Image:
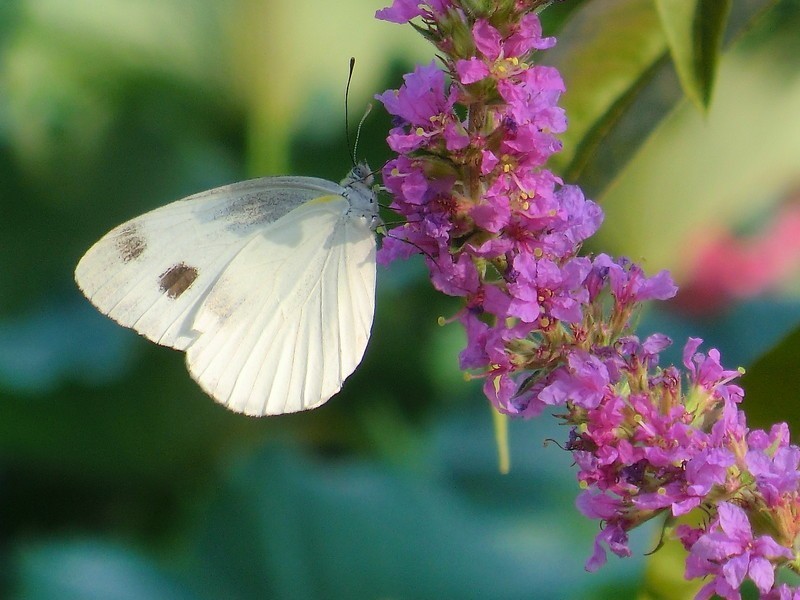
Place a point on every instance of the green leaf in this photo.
(694, 30)
(611, 54)
(771, 386)
(605, 52)
(696, 173)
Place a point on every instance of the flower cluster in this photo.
(547, 327)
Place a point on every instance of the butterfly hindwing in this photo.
(289, 318)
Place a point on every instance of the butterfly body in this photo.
(268, 285)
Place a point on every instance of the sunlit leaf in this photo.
(694, 31)
(696, 171)
(612, 54)
(605, 53)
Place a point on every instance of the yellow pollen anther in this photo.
(661, 491)
(506, 168)
(583, 485)
(538, 252)
(544, 322)
(638, 418)
(441, 321)
(395, 172)
(514, 60)
(420, 131)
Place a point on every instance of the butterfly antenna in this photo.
(360, 123)
(350, 148)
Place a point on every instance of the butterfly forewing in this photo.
(152, 273)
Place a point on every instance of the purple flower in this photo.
(581, 217)
(730, 553)
(533, 99)
(616, 538)
(455, 276)
(775, 475)
(474, 355)
(598, 505)
(472, 70)
(499, 56)
(494, 214)
(707, 373)
(630, 285)
(527, 37)
(402, 11)
(782, 592)
(671, 494)
(653, 345)
(707, 468)
(499, 388)
(584, 383)
(778, 436)
(542, 284)
(421, 97)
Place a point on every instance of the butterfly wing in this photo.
(290, 317)
(153, 272)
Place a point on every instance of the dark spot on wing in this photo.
(177, 279)
(130, 244)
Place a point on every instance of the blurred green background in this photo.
(120, 479)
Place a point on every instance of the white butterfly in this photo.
(268, 285)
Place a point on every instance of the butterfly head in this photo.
(359, 173)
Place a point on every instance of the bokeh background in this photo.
(120, 479)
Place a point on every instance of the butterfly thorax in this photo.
(360, 192)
